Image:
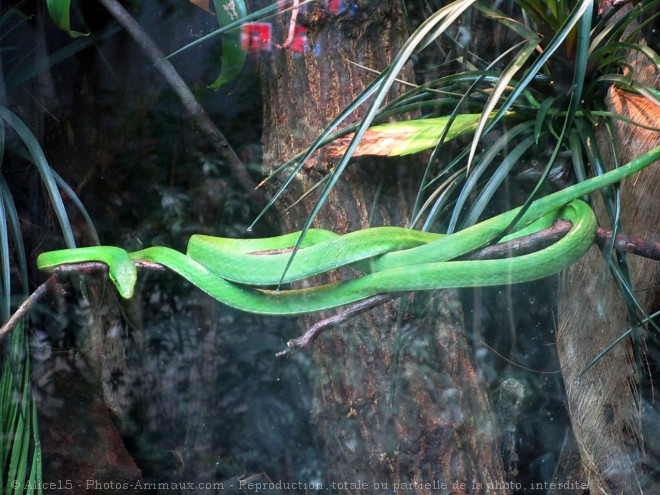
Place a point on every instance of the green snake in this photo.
(393, 259)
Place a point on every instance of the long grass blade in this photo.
(502, 84)
(481, 167)
(496, 180)
(446, 189)
(541, 117)
(61, 55)
(632, 301)
(464, 99)
(16, 406)
(2, 141)
(5, 269)
(584, 24)
(459, 103)
(45, 171)
(577, 156)
(81, 207)
(36, 471)
(261, 14)
(21, 439)
(533, 71)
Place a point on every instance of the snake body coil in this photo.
(394, 259)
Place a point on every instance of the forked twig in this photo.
(342, 316)
(27, 305)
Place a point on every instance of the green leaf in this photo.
(5, 276)
(13, 220)
(498, 90)
(423, 134)
(59, 12)
(540, 119)
(233, 55)
(39, 159)
(18, 419)
(499, 176)
(513, 24)
(470, 186)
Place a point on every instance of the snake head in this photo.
(123, 274)
(121, 268)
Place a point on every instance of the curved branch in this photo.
(189, 101)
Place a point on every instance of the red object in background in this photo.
(335, 6)
(299, 42)
(256, 37)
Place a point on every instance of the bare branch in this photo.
(27, 305)
(189, 101)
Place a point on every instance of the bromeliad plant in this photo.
(546, 92)
(528, 94)
(20, 448)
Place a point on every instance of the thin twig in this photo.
(342, 316)
(27, 305)
(189, 101)
(292, 26)
(53, 283)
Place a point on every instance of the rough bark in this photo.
(81, 391)
(396, 398)
(604, 403)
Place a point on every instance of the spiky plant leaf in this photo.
(407, 137)
(45, 171)
(233, 55)
(438, 22)
(59, 11)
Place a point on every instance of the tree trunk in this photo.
(397, 402)
(604, 402)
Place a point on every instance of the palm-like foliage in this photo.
(20, 453)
